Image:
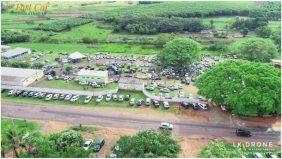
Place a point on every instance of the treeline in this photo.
(65, 24)
(153, 25)
(249, 23)
(8, 36)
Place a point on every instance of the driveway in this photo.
(118, 119)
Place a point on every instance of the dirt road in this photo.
(117, 119)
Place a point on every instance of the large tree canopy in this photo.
(147, 144)
(246, 88)
(179, 52)
(257, 49)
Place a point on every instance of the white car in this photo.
(87, 99)
(68, 97)
(74, 98)
(203, 106)
(87, 144)
(99, 99)
(148, 102)
(108, 97)
(120, 98)
(166, 105)
(181, 94)
(49, 77)
(166, 126)
(11, 92)
(49, 97)
(132, 102)
(83, 83)
(115, 97)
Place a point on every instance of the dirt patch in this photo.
(52, 126)
(191, 147)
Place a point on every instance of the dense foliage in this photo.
(8, 36)
(179, 53)
(63, 144)
(269, 10)
(249, 23)
(152, 25)
(246, 88)
(257, 49)
(217, 149)
(65, 24)
(147, 144)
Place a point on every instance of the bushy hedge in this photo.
(13, 37)
(153, 25)
(65, 24)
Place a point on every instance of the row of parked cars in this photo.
(87, 99)
(97, 146)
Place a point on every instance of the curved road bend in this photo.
(129, 121)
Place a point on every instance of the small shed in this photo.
(76, 57)
(15, 53)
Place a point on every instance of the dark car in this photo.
(184, 104)
(195, 106)
(140, 102)
(30, 94)
(98, 145)
(18, 92)
(156, 103)
(270, 155)
(243, 133)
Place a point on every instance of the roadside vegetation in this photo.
(147, 144)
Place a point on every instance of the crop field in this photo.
(184, 9)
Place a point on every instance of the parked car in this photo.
(74, 98)
(11, 92)
(164, 90)
(30, 94)
(87, 99)
(243, 133)
(62, 97)
(150, 88)
(42, 95)
(120, 98)
(148, 102)
(49, 77)
(167, 96)
(108, 97)
(98, 145)
(127, 97)
(156, 103)
(18, 92)
(83, 83)
(48, 96)
(166, 126)
(132, 102)
(195, 106)
(166, 105)
(203, 106)
(87, 144)
(115, 97)
(36, 95)
(99, 99)
(25, 93)
(56, 96)
(181, 94)
(140, 102)
(68, 97)
(184, 104)
(257, 155)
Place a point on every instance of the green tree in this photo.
(244, 32)
(218, 149)
(257, 49)
(276, 37)
(179, 52)
(147, 144)
(246, 88)
(263, 32)
(68, 68)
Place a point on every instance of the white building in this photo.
(19, 76)
(14, 53)
(93, 76)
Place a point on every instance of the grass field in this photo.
(77, 33)
(73, 85)
(220, 22)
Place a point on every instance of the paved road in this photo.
(79, 115)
